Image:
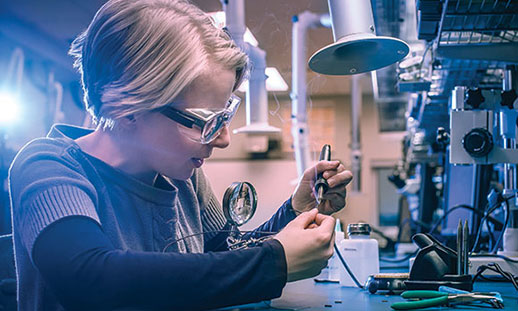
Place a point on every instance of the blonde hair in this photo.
(136, 56)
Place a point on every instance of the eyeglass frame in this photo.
(189, 119)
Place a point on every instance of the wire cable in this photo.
(487, 214)
(213, 231)
(355, 280)
(495, 256)
(496, 268)
(507, 212)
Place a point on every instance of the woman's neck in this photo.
(110, 147)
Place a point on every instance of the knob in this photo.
(478, 142)
(474, 98)
(508, 98)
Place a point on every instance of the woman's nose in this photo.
(223, 139)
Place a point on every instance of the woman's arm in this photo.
(79, 263)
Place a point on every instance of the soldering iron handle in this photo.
(321, 184)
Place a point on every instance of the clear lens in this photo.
(212, 129)
(215, 121)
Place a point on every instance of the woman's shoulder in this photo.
(45, 149)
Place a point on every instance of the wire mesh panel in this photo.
(473, 41)
(480, 22)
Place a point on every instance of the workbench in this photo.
(309, 296)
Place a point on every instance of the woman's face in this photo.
(161, 144)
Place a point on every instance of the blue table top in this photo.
(307, 295)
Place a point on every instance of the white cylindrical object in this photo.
(299, 127)
(235, 19)
(361, 255)
(256, 95)
(351, 17)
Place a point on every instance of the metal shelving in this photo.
(472, 41)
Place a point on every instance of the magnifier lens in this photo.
(239, 203)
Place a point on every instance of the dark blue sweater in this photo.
(88, 236)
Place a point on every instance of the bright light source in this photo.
(220, 19)
(9, 108)
(274, 81)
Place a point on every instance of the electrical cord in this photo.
(487, 214)
(507, 213)
(432, 229)
(402, 259)
(508, 259)
(355, 280)
(479, 231)
(212, 231)
(438, 222)
(496, 268)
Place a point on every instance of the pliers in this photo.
(430, 298)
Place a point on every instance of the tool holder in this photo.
(435, 265)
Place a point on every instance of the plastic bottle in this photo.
(360, 252)
(331, 273)
(334, 264)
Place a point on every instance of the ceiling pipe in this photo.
(356, 152)
(256, 94)
(235, 20)
(299, 125)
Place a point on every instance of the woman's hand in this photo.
(304, 197)
(308, 244)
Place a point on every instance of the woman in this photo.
(109, 219)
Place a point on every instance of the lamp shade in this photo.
(356, 48)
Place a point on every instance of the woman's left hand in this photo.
(304, 197)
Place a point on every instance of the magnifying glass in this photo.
(239, 203)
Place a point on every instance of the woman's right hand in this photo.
(308, 244)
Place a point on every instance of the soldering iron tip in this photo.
(320, 195)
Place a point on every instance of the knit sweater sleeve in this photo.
(46, 184)
(90, 274)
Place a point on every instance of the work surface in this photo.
(308, 295)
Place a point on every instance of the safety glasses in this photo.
(203, 125)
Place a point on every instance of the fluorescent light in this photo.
(9, 108)
(220, 19)
(274, 81)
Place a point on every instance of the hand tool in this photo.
(321, 185)
(428, 298)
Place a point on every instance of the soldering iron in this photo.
(321, 184)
